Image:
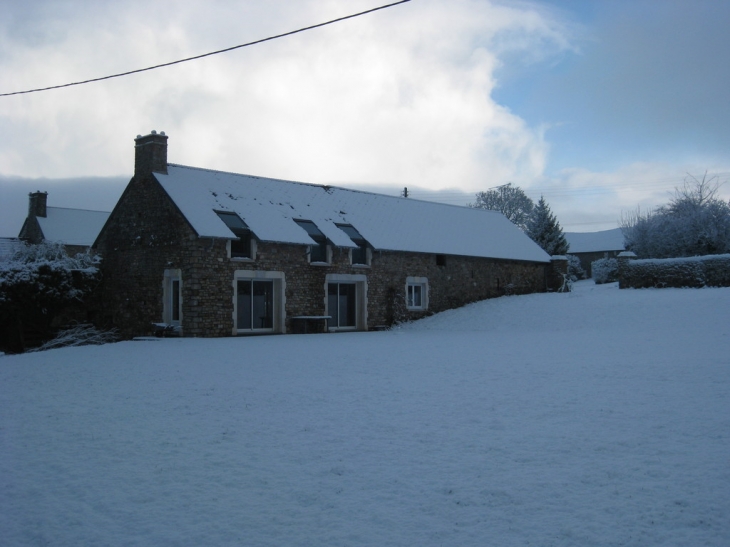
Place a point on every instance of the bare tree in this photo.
(509, 200)
(695, 222)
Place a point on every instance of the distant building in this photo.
(8, 246)
(590, 246)
(76, 229)
(222, 254)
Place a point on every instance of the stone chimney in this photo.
(37, 204)
(150, 154)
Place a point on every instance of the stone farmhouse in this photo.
(210, 253)
(590, 246)
(76, 229)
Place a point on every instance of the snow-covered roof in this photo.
(591, 242)
(72, 226)
(269, 206)
(8, 245)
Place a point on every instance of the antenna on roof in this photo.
(405, 192)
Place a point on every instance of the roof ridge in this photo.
(328, 186)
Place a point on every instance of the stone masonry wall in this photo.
(146, 235)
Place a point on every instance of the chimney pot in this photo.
(150, 154)
(37, 204)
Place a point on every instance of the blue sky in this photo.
(647, 84)
(599, 105)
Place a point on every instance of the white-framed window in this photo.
(172, 297)
(346, 301)
(258, 302)
(243, 248)
(320, 252)
(417, 293)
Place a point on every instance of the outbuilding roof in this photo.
(8, 246)
(72, 226)
(270, 206)
(591, 242)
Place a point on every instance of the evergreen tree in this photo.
(544, 229)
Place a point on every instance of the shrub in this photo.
(37, 284)
(79, 335)
(575, 270)
(702, 271)
(605, 270)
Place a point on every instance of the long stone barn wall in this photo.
(148, 236)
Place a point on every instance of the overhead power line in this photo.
(311, 27)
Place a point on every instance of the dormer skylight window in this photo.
(241, 247)
(359, 255)
(318, 251)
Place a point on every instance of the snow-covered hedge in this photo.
(698, 271)
(605, 270)
(37, 284)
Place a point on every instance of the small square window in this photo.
(244, 245)
(440, 260)
(359, 256)
(318, 251)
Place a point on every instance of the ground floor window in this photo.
(172, 298)
(255, 309)
(417, 293)
(346, 301)
(342, 304)
(258, 302)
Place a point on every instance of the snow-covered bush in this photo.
(694, 223)
(79, 335)
(698, 271)
(575, 270)
(38, 282)
(605, 270)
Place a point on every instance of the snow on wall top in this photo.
(269, 206)
(591, 242)
(72, 226)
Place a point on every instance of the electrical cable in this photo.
(255, 42)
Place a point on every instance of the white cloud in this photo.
(400, 96)
(596, 200)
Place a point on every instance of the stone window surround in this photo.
(170, 276)
(422, 282)
(279, 298)
(361, 288)
(254, 248)
(329, 256)
(368, 260)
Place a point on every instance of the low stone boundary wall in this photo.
(697, 271)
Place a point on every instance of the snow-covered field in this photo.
(599, 417)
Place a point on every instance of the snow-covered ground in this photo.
(599, 417)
